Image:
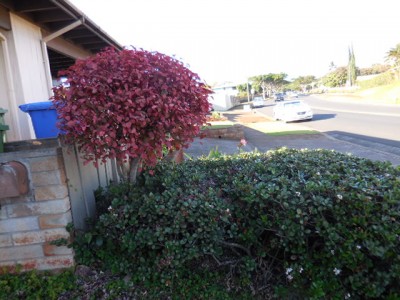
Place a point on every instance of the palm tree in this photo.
(393, 57)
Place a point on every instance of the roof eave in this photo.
(77, 14)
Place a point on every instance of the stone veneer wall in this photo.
(28, 223)
(234, 132)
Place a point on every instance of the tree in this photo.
(130, 105)
(374, 69)
(304, 82)
(393, 57)
(268, 83)
(351, 68)
(244, 90)
(335, 78)
(332, 66)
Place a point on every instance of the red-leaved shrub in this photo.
(130, 105)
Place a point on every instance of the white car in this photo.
(293, 95)
(294, 110)
(258, 101)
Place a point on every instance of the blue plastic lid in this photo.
(36, 106)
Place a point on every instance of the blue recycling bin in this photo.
(44, 118)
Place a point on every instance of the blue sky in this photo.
(230, 40)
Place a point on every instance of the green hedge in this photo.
(293, 223)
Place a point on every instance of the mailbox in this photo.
(14, 180)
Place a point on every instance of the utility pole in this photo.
(248, 94)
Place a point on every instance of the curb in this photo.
(343, 141)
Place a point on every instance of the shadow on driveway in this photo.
(386, 145)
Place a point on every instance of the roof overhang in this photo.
(61, 19)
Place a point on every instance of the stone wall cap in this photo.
(29, 145)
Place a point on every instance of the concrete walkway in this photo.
(256, 126)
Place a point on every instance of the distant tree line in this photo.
(267, 84)
(373, 70)
(264, 84)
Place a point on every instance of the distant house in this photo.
(228, 88)
(225, 96)
(37, 39)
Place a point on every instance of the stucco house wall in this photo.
(224, 97)
(29, 77)
(28, 31)
(27, 82)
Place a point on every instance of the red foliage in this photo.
(130, 103)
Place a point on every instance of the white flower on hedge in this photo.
(298, 194)
(110, 208)
(347, 296)
(301, 270)
(318, 174)
(288, 275)
(336, 271)
(333, 252)
(340, 197)
(358, 247)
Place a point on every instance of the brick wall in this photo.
(28, 223)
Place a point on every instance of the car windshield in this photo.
(293, 104)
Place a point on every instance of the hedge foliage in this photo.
(307, 224)
(36, 285)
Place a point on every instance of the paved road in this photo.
(255, 126)
(370, 125)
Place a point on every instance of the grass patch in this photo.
(382, 94)
(384, 79)
(36, 285)
(280, 129)
(292, 132)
